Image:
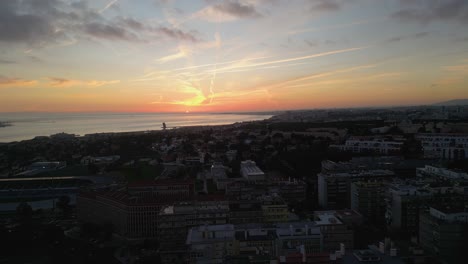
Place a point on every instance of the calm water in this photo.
(29, 125)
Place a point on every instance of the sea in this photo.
(23, 126)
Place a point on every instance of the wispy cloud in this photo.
(63, 82)
(326, 5)
(418, 35)
(460, 68)
(426, 11)
(7, 82)
(182, 53)
(331, 27)
(60, 23)
(227, 11)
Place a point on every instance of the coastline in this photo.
(28, 128)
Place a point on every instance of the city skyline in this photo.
(215, 56)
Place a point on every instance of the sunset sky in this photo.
(236, 55)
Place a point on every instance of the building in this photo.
(444, 146)
(372, 254)
(175, 220)
(444, 232)
(290, 189)
(219, 176)
(132, 217)
(436, 173)
(241, 189)
(134, 212)
(211, 243)
(299, 236)
(334, 231)
(167, 188)
(370, 145)
(256, 239)
(368, 198)
(274, 209)
(251, 172)
(404, 203)
(245, 211)
(334, 188)
(41, 192)
(248, 242)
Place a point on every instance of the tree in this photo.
(63, 204)
(24, 213)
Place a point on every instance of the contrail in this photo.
(111, 3)
(293, 59)
(218, 45)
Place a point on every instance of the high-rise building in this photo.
(334, 188)
(368, 198)
(404, 203)
(444, 232)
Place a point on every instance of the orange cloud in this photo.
(6, 82)
(62, 82)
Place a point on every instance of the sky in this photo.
(234, 55)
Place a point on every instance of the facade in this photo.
(370, 145)
(131, 217)
(403, 205)
(219, 176)
(444, 232)
(133, 213)
(334, 188)
(444, 146)
(274, 209)
(368, 198)
(405, 202)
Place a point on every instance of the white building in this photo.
(251, 172)
(435, 172)
(370, 145)
(219, 176)
(444, 146)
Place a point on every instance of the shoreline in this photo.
(137, 132)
